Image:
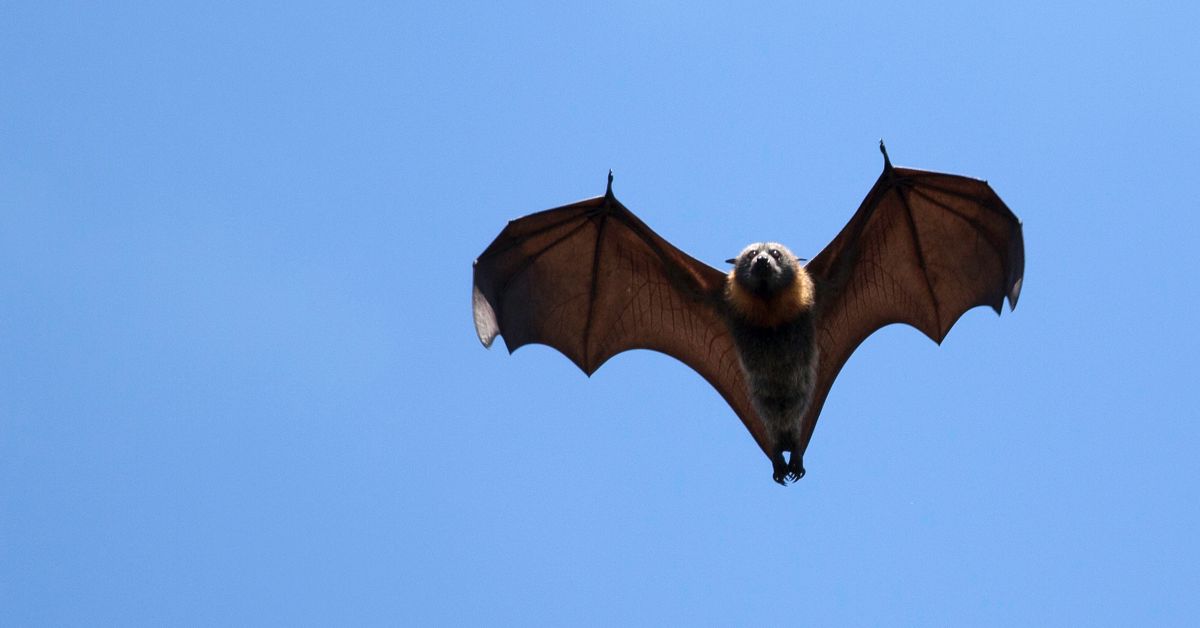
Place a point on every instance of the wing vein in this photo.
(587, 325)
(533, 257)
(526, 236)
(979, 227)
(916, 236)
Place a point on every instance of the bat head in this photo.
(766, 269)
(767, 285)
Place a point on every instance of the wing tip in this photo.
(486, 325)
(1014, 293)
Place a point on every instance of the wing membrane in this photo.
(591, 280)
(922, 249)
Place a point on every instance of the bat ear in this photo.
(732, 260)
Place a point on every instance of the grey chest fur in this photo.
(780, 366)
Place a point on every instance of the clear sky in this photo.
(239, 382)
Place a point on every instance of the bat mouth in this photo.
(761, 268)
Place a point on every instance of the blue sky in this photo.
(241, 385)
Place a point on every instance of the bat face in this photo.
(765, 268)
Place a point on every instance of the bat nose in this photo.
(761, 265)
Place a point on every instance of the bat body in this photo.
(768, 305)
(592, 280)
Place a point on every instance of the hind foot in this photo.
(780, 472)
(795, 469)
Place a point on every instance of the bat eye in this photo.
(775, 253)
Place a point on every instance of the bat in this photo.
(591, 280)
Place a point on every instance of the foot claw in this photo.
(780, 470)
(796, 470)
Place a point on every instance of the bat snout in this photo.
(761, 267)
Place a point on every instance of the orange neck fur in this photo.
(775, 310)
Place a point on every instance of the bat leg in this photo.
(795, 468)
(780, 472)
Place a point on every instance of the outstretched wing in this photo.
(922, 249)
(592, 280)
